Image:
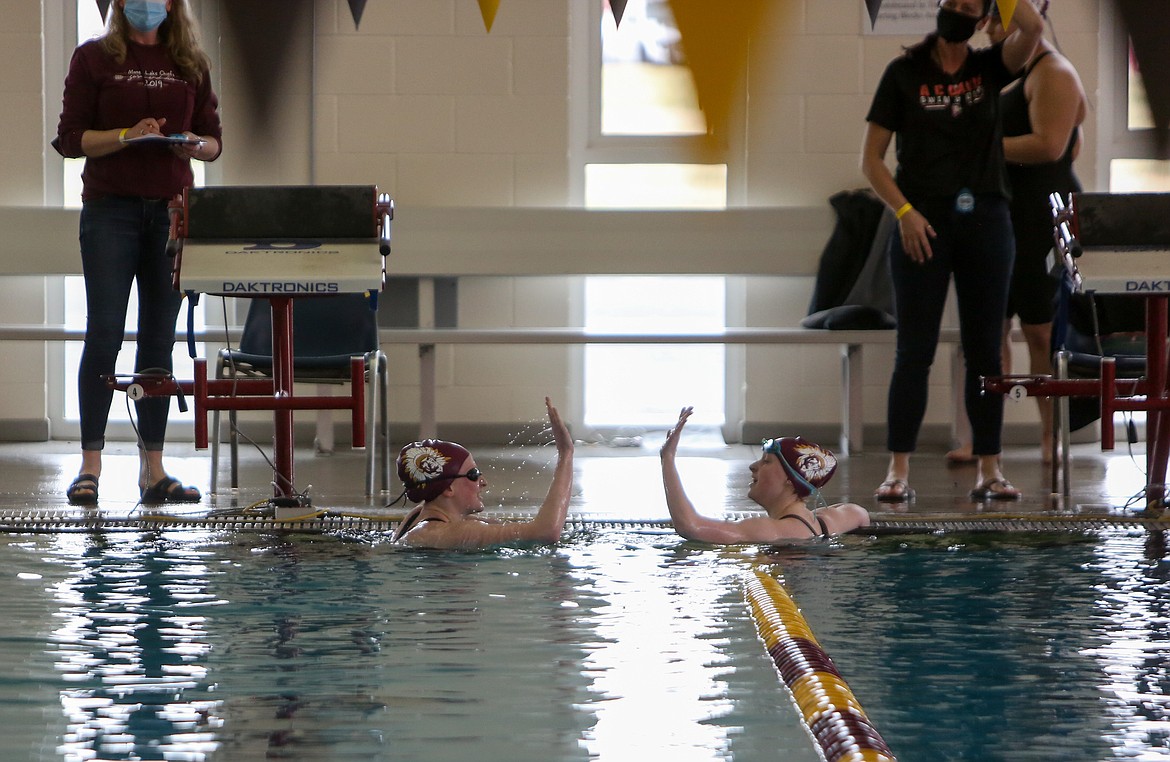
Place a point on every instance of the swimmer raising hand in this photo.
(444, 477)
(789, 470)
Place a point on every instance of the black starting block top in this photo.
(1117, 220)
(328, 212)
(1121, 243)
(264, 241)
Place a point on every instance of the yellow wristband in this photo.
(902, 211)
(122, 135)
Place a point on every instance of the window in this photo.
(1127, 143)
(642, 127)
(646, 86)
(634, 386)
(655, 186)
(636, 146)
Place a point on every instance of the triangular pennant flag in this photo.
(357, 7)
(715, 40)
(1148, 24)
(1006, 9)
(487, 9)
(619, 8)
(103, 8)
(873, 6)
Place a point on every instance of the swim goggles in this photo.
(473, 475)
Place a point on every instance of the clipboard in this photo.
(177, 139)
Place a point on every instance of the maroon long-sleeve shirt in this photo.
(101, 94)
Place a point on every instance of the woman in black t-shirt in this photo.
(950, 195)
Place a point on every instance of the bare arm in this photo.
(550, 519)
(914, 229)
(693, 526)
(1056, 108)
(687, 521)
(1024, 36)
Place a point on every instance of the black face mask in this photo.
(954, 26)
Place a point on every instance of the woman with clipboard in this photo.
(138, 105)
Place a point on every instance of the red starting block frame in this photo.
(1149, 394)
(275, 394)
(309, 205)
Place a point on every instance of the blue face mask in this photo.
(145, 15)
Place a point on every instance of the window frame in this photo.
(588, 145)
(1117, 139)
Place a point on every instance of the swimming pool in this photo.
(617, 644)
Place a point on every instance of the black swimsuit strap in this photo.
(1035, 61)
(805, 521)
(410, 522)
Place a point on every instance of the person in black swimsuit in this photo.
(789, 471)
(1042, 114)
(443, 478)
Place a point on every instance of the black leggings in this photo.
(978, 249)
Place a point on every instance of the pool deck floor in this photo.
(620, 484)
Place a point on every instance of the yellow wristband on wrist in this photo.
(122, 135)
(902, 210)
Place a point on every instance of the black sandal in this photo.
(170, 490)
(83, 490)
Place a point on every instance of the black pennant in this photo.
(357, 7)
(619, 8)
(103, 8)
(873, 6)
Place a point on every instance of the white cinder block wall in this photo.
(425, 103)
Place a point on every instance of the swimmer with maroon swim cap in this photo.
(790, 470)
(443, 477)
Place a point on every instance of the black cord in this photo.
(235, 375)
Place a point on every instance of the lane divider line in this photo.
(835, 719)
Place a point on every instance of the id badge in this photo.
(965, 202)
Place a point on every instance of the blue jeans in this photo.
(978, 248)
(123, 240)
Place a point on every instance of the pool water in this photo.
(1001, 647)
(214, 646)
(616, 644)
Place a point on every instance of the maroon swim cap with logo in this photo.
(427, 467)
(808, 465)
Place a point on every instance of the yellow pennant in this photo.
(487, 9)
(715, 38)
(1006, 9)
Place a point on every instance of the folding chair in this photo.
(1087, 329)
(327, 332)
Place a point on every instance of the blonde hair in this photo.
(178, 33)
